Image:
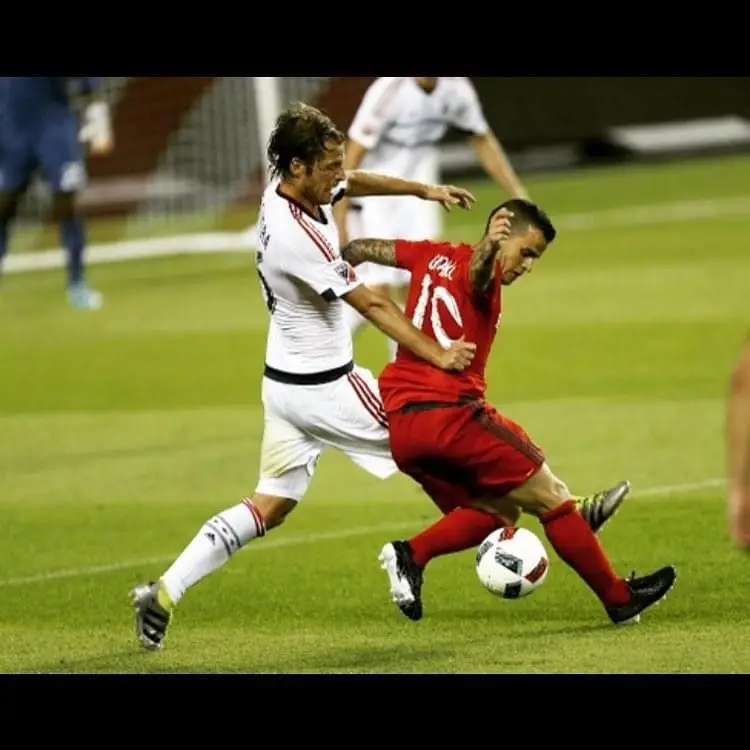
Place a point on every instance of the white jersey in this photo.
(314, 397)
(303, 276)
(400, 124)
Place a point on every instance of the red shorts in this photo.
(462, 452)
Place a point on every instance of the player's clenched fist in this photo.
(459, 355)
(500, 226)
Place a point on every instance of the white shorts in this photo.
(405, 218)
(301, 420)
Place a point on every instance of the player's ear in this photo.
(296, 167)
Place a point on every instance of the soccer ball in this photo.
(512, 562)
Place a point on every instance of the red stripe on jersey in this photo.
(311, 226)
(260, 526)
(373, 397)
(368, 401)
(323, 245)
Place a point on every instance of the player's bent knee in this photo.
(542, 492)
(273, 510)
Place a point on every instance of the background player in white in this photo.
(396, 131)
(313, 395)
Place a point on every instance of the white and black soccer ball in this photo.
(512, 562)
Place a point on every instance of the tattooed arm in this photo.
(482, 266)
(484, 258)
(382, 252)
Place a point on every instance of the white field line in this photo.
(671, 489)
(244, 242)
(290, 541)
(112, 252)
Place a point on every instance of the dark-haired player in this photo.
(469, 458)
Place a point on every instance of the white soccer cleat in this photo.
(405, 578)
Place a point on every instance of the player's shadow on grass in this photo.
(374, 658)
(126, 660)
(134, 660)
(532, 627)
(130, 660)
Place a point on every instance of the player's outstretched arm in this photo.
(469, 117)
(386, 316)
(361, 184)
(359, 251)
(496, 164)
(738, 449)
(484, 258)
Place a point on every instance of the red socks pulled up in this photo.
(577, 545)
(566, 529)
(461, 529)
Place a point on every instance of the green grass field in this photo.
(123, 430)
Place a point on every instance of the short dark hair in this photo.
(300, 132)
(526, 213)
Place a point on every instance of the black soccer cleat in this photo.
(599, 508)
(151, 619)
(405, 577)
(644, 592)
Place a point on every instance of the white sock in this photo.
(212, 546)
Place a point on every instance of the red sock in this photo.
(577, 545)
(456, 531)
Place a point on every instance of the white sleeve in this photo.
(467, 112)
(372, 115)
(310, 259)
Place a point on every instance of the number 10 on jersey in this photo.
(429, 297)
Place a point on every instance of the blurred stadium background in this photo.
(190, 151)
(124, 429)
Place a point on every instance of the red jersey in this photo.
(442, 303)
